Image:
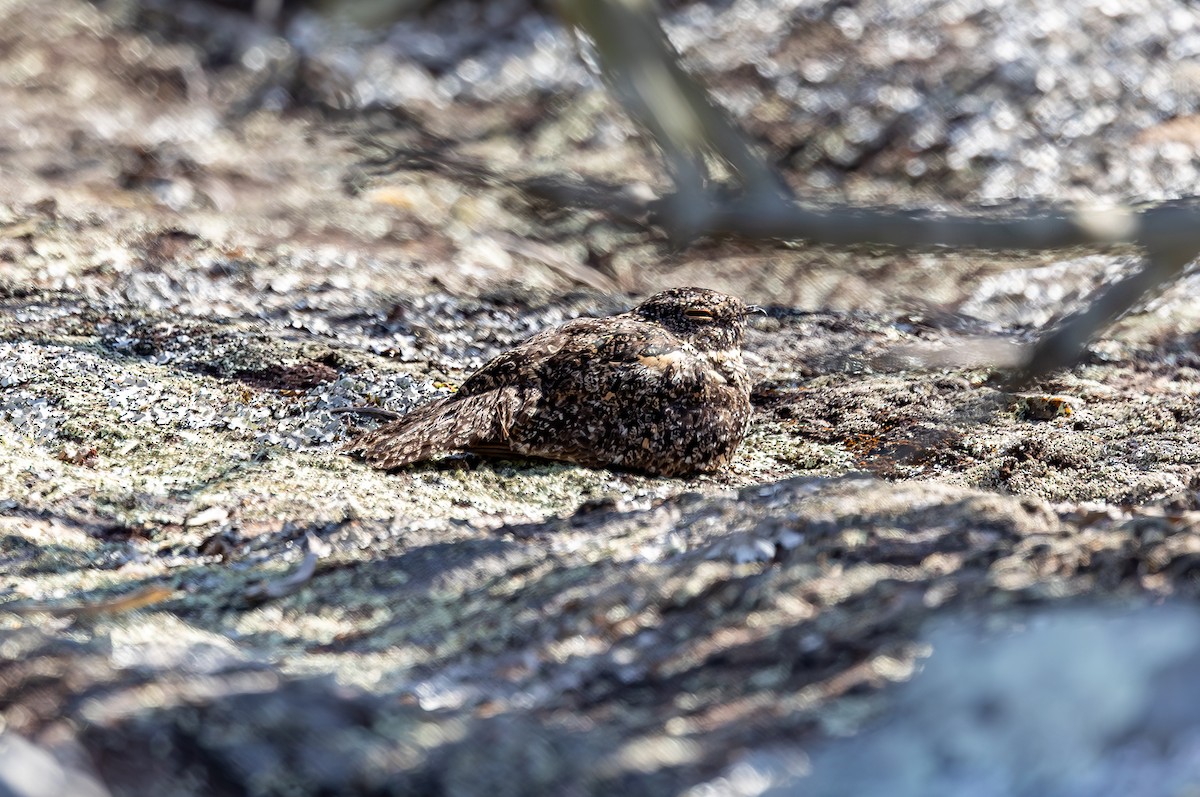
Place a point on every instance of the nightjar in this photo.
(660, 389)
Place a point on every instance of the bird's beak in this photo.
(755, 308)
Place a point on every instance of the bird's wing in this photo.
(623, 353)
(454, 423)
(527, 359)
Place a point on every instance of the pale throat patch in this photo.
(663, 361)
(726, 363)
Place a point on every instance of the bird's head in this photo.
(709, 320)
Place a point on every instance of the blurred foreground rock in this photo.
(1078, 703)
(639, 650)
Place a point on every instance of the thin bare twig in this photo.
(293, 582)
(147, 596)
(643, 70)
(1063, 346)
(378, 412)
(616, 201)
(551, 259)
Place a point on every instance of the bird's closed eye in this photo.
(698, 314)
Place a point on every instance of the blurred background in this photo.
(256, 118)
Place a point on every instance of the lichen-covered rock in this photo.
(200, 595)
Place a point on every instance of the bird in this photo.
(661, 389)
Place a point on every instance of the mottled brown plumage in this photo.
(661, 389)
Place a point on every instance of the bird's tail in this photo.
(440, 427)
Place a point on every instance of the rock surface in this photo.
(202, 596)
